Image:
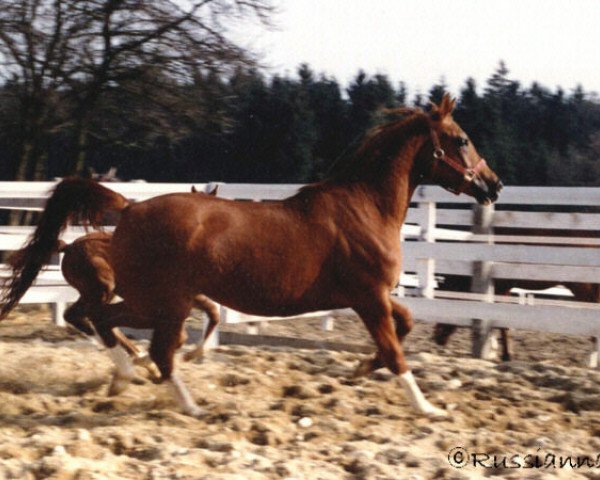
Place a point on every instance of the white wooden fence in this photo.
(444, 234)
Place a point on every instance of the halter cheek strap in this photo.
(468, 174)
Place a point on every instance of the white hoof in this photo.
(195, 411)
(433, 412)
(417, 399)
(184, 398)
(197, 352)
(118, 384)
(124, 370)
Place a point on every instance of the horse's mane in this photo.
(378, 143)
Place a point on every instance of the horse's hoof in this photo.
(365, 367)
(142, 360)
(146, 362)
(434, 412)
(197, 353)
(139, 380)
(118, 385)
(438, 414)
(153, 372)
(196, 412)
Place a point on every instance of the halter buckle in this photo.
(438, 153)
(469, 175)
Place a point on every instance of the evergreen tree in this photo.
(437, 91)
(368, 96)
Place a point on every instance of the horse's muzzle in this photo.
(486, 193)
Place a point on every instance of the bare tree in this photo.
(61, 57)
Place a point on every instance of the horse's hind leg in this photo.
(140, 358)
(98, 290)
(378, 319)
(506, 343)
(105, 319)
(165, 341)
(212, 310)
(404, 323)
(76, 316)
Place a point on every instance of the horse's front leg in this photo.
(378, 318)
(404, 323)
(76, 316)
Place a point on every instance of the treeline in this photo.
(245, 127)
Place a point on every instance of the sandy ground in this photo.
(280, 413)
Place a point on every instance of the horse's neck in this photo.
(392, 190)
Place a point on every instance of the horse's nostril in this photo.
(499, 186)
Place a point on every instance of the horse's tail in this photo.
(73, 199)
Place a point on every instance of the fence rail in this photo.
(443, 235)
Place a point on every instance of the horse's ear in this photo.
(446, 106)
(434, 111)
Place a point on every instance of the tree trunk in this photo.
(24, 161)
(77, 162)
(31, 166)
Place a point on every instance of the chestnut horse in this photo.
(335, 244)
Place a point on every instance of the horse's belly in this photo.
(268, 308)
(288, 290)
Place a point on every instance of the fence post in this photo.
(595, 355)
(426, 266)
(327, 323)
(483, 282)
(58, 312)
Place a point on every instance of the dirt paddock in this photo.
(283, 413)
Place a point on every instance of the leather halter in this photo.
(468, 174)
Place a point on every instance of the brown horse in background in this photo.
(86, 267)
(583, 292)
(335, 244)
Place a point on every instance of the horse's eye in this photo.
(462, 142)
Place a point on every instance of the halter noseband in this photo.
(468, 174)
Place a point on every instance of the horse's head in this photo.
(455, 164)
(442, 333)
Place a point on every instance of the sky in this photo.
(554, 42)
